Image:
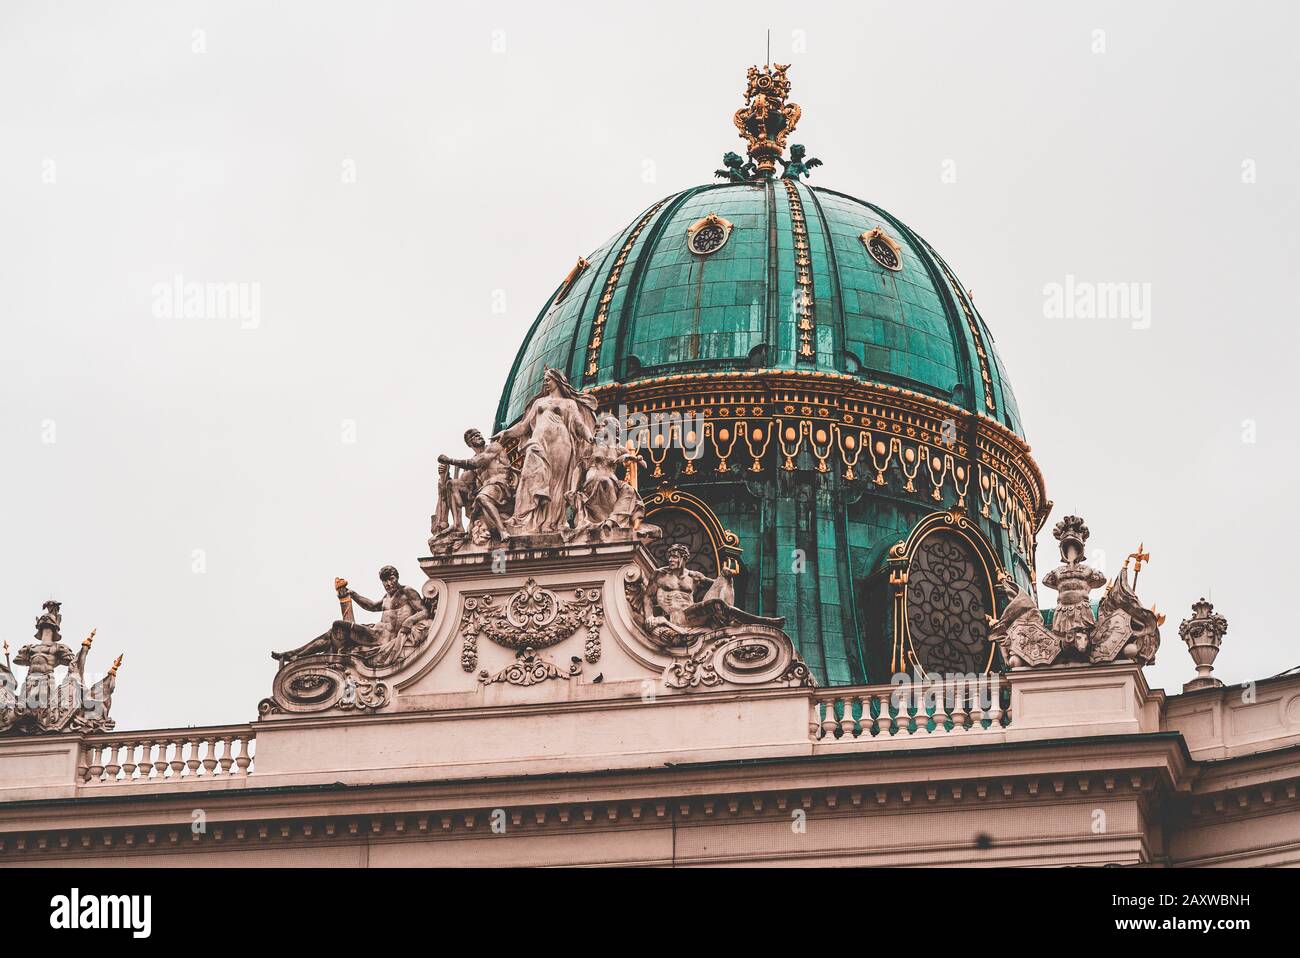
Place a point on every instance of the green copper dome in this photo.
(793, 285)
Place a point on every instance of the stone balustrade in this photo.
(197, 755)
(964, 705)
(460, 739)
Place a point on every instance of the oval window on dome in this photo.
(707, 235)
(883, 249)
(948, 596)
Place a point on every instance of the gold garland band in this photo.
(830, 414)
(807, 322)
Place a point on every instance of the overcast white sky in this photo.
(185, 485)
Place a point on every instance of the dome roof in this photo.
(803, 279)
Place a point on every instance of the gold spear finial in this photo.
(1139, 557)
(89, 640)
(117, 664)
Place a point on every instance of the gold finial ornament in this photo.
(117, 664)
(89, 640)
(767, 119)
(1139, 557)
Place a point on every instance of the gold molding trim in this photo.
(974, 327)
(807, 306)
(725, 543)
(607, 294)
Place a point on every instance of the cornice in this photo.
(728, 792)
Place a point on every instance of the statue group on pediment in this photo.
(559, 483)
(43, 702)
(558, 476)
(1122, 630)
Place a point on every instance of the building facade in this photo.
(745, 575)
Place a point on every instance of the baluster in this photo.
(930, 705)
(91, 755)
(112, 766)
(960, 713)
(940, 696)
(160, 762)
(209, 756)
(846, 723)
(815, 721)
(178, 759)
(986, 707)
(244, 758)
(226, 758)
(129, 764)
(829, 722)
(192, 763)
(872, 712)
(995, 713)
(899, 701)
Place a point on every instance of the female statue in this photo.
(555, 436)
(604, 500)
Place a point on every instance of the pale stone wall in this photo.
(1091, 767)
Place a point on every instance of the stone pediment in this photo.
(533, 626)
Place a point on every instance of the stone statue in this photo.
(1073, 581)
(42, 657)
(1123, 630)
(442, 525)
(679, 604)
(554, 436)
(604, 504)
(403, 624)
(797, 166)
(45, 704)
(481, 494)
(9, 709)
(1024, 639)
